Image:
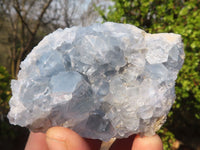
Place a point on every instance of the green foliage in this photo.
(181, 17)
(168, 138)
(4, 90)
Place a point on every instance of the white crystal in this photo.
(103, 81)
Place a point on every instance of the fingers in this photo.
(147, 143)
(36, 141)
(60, 138)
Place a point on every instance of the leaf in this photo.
(183, 11)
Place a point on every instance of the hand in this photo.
(60, 138)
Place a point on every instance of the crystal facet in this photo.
(102, 81)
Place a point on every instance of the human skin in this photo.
(60, 138)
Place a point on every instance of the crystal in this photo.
(102, 81)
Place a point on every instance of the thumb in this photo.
(60, 138)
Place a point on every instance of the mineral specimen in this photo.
(102, 81)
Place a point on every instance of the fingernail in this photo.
(60, 138)
(56, 139)
(55, 144)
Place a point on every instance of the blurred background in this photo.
(23, 23)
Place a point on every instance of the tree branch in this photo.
(17, 9)
(29, 8)
(38, 24)
(41, 16)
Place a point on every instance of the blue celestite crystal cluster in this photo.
(102, 81)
